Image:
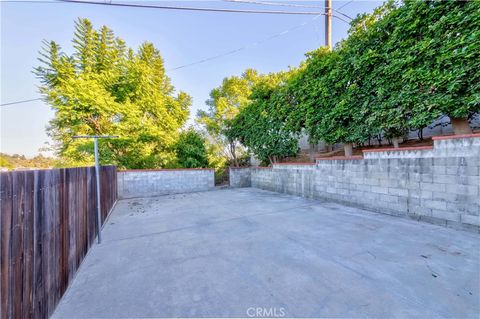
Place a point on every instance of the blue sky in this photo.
(181, 36)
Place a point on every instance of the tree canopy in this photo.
(401, 67)
(261, 125)
(103, 87)
(191, 150)
(20, 161)
(225, 102)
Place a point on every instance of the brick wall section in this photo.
(239, 177)
(149, 183)
(439, 190)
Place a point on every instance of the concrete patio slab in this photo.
(253, 253)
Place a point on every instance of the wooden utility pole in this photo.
(328, 24)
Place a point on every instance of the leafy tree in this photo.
(401, 68)
(415, 62)
(261, 125)
(327, 97)
(225, 102)
(436, 46)
(106, 88)
(425, 56)
(368, 65)
(191, 150)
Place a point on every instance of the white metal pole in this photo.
(97, 174)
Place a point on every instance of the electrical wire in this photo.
(344, 5)
(212, 57)
(244, 47)
(196, 8)
(133, 5)
(286, 5)
(27, 1)
(18, 102)
(317, 14)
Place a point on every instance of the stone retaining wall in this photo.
(148, 183)
(239, 177)
(444, 190)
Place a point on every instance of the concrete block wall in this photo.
(443, 190)
(149, 183)
(461, 145)
(239, 177)
(443, 146)
(404, 152)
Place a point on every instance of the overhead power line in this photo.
(134, 5)
(27, 1)
(286, 5)
(212, 57)
(18, 102)
(344, 5)
(245, 47)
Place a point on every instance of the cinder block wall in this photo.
(442, 147)
(239, 177)
(148, 183)
(439, 190)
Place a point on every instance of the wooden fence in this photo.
(47, 225)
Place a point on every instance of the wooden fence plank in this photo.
(6, 235)
(17, 242)
(38, 253)
(28, 246)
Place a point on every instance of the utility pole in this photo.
(97, 177)
(328, 24)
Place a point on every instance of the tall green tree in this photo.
(103, 87)
(225, 102)
(191, 150)
(401, 68)
(435, 51)
(369, 69)
(327, 98)
(415, 62)
(262, 125)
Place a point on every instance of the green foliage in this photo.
(261, 125)
(20, 161)
(216, 155)
(191, 151)
(326, 97)
(225, 102)
(401, 68)
(4, 163)
(435, 52)
(106, 88)
(372, 78)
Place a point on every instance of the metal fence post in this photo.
(97, 175)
